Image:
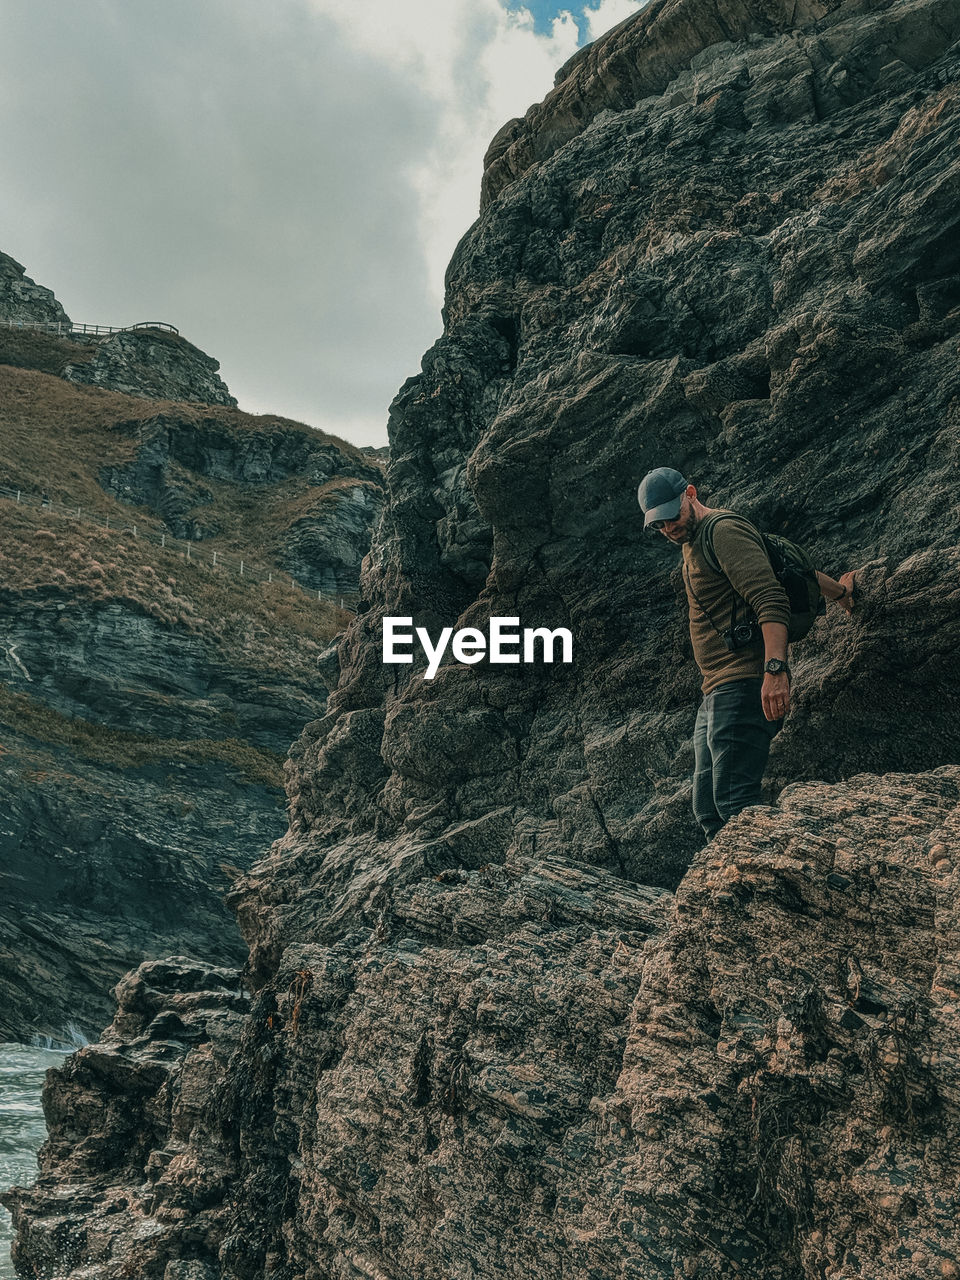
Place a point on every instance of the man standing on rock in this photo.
(746, 677)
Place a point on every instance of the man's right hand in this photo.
(846, 580)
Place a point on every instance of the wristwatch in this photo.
(777, 666)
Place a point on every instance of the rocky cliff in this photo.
(147, 702)
(22, 300)
(155, 364)
(538, 1068)
(36, 332)
(325, 498)
(507, 1019)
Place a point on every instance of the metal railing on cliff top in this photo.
(192, 553)
(66, 329)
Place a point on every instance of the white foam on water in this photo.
(22, 1127)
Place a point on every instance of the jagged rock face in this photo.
(381, 452)
(322, 549)
(540, 1069)
(104, 867)
(108, 662)
(21, 299)
(168, 1009)
(107, 865)
(154, 364)
(325, 549)
(479, 1046)
(752, 276)
(146, 704)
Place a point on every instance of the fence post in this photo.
(163, 539)
(188, 550)
(241, 568)
(134, 530)
(214, 559)
(269, 577)
(18, 495)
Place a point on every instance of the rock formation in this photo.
(141, 771)
(507, 1019)
(24, 301)
(326, 545)
(146, 704)
(154, 364)
(537, 1068)
(143, 361)
(324, 538)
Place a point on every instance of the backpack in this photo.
(792, 567)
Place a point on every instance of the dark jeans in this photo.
(731, 742)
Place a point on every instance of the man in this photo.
(746, 690)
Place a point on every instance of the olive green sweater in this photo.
(747, 582)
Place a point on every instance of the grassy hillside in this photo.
(56, 437)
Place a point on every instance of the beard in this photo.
(689, 530)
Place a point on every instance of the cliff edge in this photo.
(152, 361)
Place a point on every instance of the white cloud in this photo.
(286, 182)
(607, 14)
(479, 65)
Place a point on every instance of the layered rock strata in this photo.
(324, 549)
(146, 700)
(325, 538)
(487, 1037)
(140, 773)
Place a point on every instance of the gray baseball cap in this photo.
(661, 494)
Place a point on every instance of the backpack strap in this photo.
(710, 556)
(706, 536)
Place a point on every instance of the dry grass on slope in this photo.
(254, 624)
(280, 507)
(57, 437)
(46, 352)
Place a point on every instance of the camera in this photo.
(742, 634)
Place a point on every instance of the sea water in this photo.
(22, 1128)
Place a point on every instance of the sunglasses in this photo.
(656, 525)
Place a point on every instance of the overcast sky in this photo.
(285, 182)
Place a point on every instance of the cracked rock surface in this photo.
(539, 1068)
